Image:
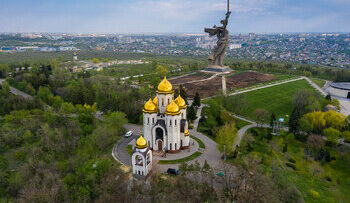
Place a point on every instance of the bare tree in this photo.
(261, 115)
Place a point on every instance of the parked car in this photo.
(128, 134)
(172, 171)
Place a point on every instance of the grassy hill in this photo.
(277, 99)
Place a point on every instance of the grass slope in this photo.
(277, 99)
(318, 82)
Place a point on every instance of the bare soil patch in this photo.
(211, 87)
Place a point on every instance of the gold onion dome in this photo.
(172, 109)
(155, 100)
(180, 102)
(165, 87)
(150, 107)
(187, 133)
(141, 143)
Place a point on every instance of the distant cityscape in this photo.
(328, 49)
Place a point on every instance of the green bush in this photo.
(291, 160)
(291, 166)
(346, 136)
(314, 194)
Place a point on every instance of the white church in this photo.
(165, 126)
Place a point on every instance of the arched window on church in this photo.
(147, 120)
(175, 146)
(170, 123)
(152, 120)
(175, 122)
(162, 102)
(138, 160)
(170, 147)
(168, 100)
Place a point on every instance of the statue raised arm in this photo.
(217, 55)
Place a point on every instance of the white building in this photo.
(75, 57)
(235, 46)
(141, 159)
(165, 126)
(340, 89)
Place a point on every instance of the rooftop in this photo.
(341, 85)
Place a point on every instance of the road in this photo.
(119, 152)
(17, 92)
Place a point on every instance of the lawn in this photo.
(177, 161)
(277, 99)
(318, 82)
(129, 149)
(331, 180)
(200, 143)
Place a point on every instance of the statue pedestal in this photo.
(218, 69)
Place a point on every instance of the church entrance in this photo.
(160, 138)
(348, 95)
(160, 145)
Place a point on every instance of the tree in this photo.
(95, 60)
(44, 94)
(294, 121)
(347, 123)
(306, 102)
(67, 108)
(332, 135)
(191, 113)
(346, 136)
(313, 122)
(261, 115)
(183, 93)
(334, 120)
(226, 137)
(273, 118)
(315, 142)
(161, 70)
(196, 100)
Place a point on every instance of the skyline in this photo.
(156, 16)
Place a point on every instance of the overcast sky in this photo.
(189, 16)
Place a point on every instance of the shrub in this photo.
(314, 194)
(332, 134)
(291, 160)
(291, 166)
(346, 136)
(323, 155)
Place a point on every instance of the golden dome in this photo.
(141, 143)
(155, 100)
(150, 107)
(172, 109)
(165, 87)
(180, 102)
(187, 133)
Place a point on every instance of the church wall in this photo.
(163, 100)
(173, 133)
(183, 113)
(148, 122)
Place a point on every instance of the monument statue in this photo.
(217, 54)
